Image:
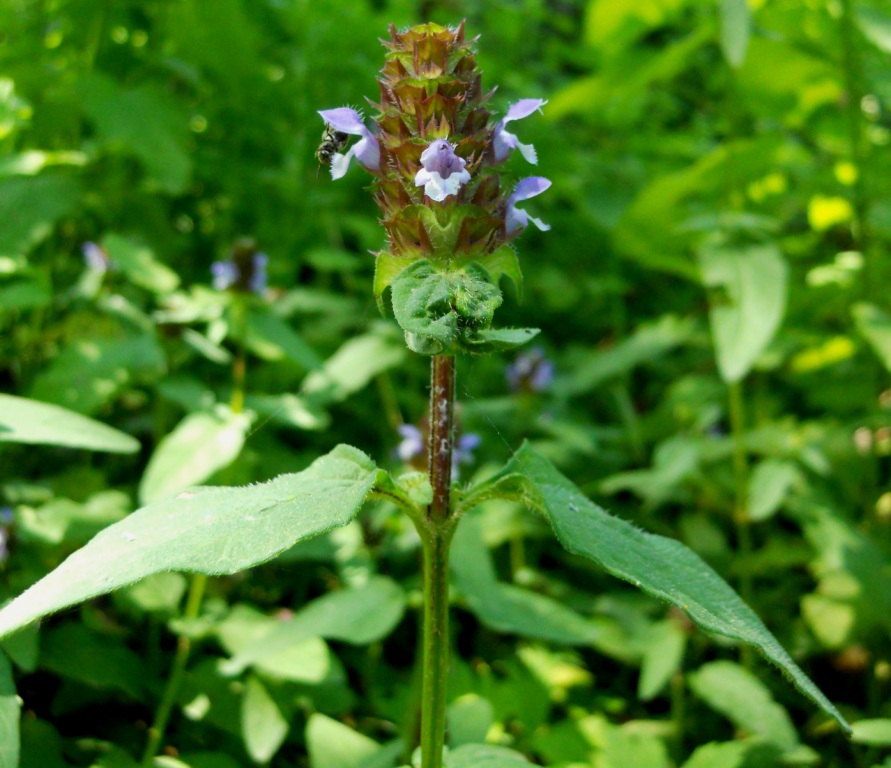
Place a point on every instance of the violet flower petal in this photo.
(443, 171)
(367, 150)
(516, 218)
(504, 141)
(225, 274)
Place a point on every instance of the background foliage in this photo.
(712, 297)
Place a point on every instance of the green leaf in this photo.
(736, 26)
(355, 364)
(88, 374)
(271, 338)
(469, 719)
(10, 708)
(332, 744)
(498, 339)
(648, 343)
(743, 699)
(143, 122)
(507, 608)
(201, 444)
(139, 264)
(876, 733)
(753, 279)
(662, 567)
(357, 615)
(263, 725)
(874, 325)
(30, 207)
(875, 24)
(730, 754)
(485, 756)
(663, 657)
(204, 530)
(30, 421)
(436, 309)
(769, 486)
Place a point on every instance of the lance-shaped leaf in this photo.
(662, 567)
(31, 421)
(204, 530)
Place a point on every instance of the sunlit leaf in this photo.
(204, 530)
(662, 567)
(737, 694)
(30, 421)
(199, 445)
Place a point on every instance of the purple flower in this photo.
(443, 173)
(413, 443)
(504, 141)
(517, 219)
(464, 448)
(225, 274)
(530, 372)
(259, 279)
(6, 520)
(95, 257)
(367, 150)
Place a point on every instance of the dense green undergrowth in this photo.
(713, 366)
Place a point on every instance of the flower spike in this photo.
(504, 141)
(367, 150)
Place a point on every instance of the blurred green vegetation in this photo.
(712, 295)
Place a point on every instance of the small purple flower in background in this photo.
(259, 279)
(463, 452)
(366, 150)
(244, 270)
(95, 257)
(504, 142)
(443, 172)
(530, 372)
(225, 274)
(413, 443)
(516, 219)
(413, 448)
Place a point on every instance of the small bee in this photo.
(333, 141)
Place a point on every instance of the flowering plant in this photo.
(434, 152)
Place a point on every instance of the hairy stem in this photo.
(436, 535)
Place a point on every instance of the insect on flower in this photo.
(333, 141)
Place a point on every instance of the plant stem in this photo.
(741, 502)
(442, 427)
(435, 670)
(177, 673)
(436, 535)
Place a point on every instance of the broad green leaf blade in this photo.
(359, 615)
(263, 725)
(139, 264)
(31, 421)
(662, 658)
(485, 756)
(10, 706)
(201, 444)
(205, 530)
(332, 744)
(874, 325)
(662, 567)
(743, 699)
(745, 318)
